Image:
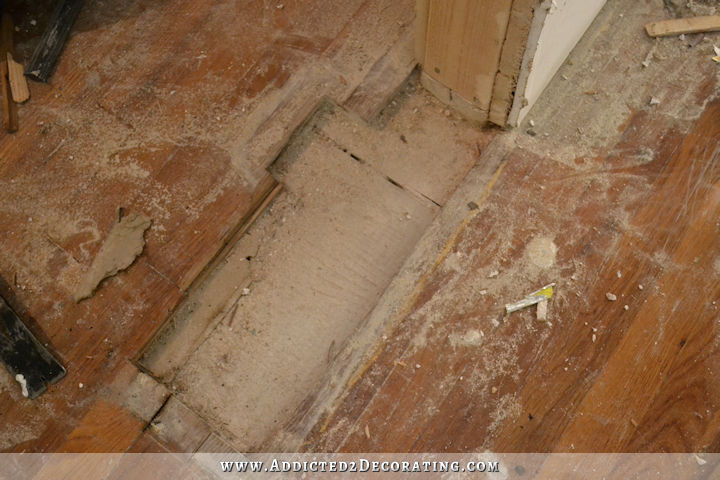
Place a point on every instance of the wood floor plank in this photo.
(153, 108)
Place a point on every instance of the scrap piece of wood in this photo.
(53, 40)
(6, 46)
(678, 26)
(9, 107)
(18, 83)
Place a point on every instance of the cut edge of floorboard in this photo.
(317, 411)
(270, 190)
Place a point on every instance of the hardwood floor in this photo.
(171, 109)
(176, 110)
(607, 208)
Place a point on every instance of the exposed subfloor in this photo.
(173, 110)
(399, 343)
(296, 286)
(613, 193)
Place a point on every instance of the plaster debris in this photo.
(626, 308)
(122, 246)
(245, 291)
(654, 101)
(619, 274)
(493, 274)
(594, 337)
(542, 311)
(541, 252)
(542, 295)
(610, 296)
(640, 287)
(20, 378)
(700, 460)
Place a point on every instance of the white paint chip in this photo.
(542, 310)
(23, 383)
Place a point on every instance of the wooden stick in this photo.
(9, 107)
(6, 46)
(679, 26)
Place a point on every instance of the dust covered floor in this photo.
(252, 346)
(613, 193)
(173, 110)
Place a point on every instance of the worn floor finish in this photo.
(606, 195)
(174, 110)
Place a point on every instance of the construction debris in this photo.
(542, 311)
(679, 26)
(20, 378)
(611, 296)
(18, 83)
(124, 243)
(534, 298)
(10, 113)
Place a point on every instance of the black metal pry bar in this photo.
(53, 40)
(27, 360)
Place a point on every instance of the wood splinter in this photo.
(18, 82)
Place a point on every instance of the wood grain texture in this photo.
(106, 427)
(18, 83)
(678, 26)
(176, 119)
(463, 42)
(513, 49)
(607, 378)
(611, 196)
